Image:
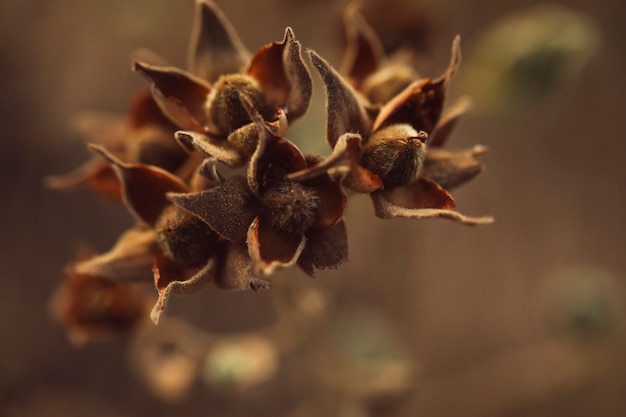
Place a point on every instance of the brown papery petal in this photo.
(180, 95)
(172, 278)
(365, 50)
(144, 186)
(280, 70)
(210, 146)
(271, 249)
(448, 122)
(215, 48)
(325, 248)
(130, 259)
(451, 169)
(421, 103)
(235, 272)
(422, 199)
(228, 208)
(345, 110)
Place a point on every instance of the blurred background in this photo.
(525, 317)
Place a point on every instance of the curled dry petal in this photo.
(365, 50)
(144, 187)
(280, 70)
(180, 95)
(346, 113)
(171, 278)
(210, 146)
(356, 178)
(422, 199)
(228, 208)
(130, 258)
(236, 270)
(95, 174)
(421, 103)
(451, 169)
(325, 248)
(215, 49)
(270, 249)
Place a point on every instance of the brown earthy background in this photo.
(525, 317)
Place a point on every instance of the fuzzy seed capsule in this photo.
(292, 207)
(184, 237)
(396, 154)
(224, 105)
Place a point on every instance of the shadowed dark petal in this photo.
(235, 271)
(346, 112)
(332, 200)
(180, 95)
(212, 147)
(172, 278)
(280, 70)
(228, 208)
(94, 308)
(94, 174)
(144, 187)
(422, 199)
(325, 248)
(215, 49)
(145, 111)
(130, 258)
(448, 122)
(421, 103)
(271, 249)
(451, 169)
(365, 51)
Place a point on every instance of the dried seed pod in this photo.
(388, 82)
(292, 207)
(184, 237)
(395, 153)
(224, 104)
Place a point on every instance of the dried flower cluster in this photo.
(220, 195)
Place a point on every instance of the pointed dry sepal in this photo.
(422, 199)
(215, 48)
(180, 96)
(346, 112)
(365, 50)
(211, 147)
(144, 187)
(421, 103)
(228, 208)
(451, 169)
(129, 260)
(236, 270)
(283, 76)
(170, 278)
